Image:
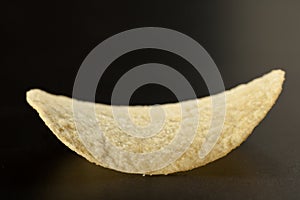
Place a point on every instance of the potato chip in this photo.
(246, 106)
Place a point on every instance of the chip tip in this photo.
(279, 72)
(33, 95)
(32, 91)
(277, 75)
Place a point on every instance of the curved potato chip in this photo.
(246, 106)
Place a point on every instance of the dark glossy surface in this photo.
(44, 45)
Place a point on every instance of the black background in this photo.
(44, 43)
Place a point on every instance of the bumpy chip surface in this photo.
(246, 106)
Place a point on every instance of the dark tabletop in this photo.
(44, 45)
